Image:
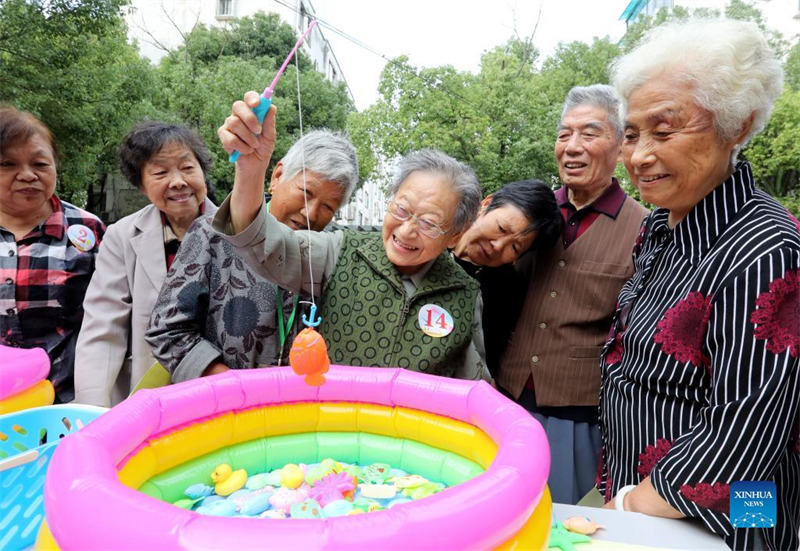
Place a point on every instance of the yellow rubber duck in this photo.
(227, 480)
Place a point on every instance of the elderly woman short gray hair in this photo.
(704, 350)
(457, 174)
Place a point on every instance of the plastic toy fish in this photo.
(582, 525)
(309, 356)
(292, 476)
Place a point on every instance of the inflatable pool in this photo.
(103, 481)
(24, 382)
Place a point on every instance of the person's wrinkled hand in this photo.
(255, 142)
(214, 368)
(242, 132)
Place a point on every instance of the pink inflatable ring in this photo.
(88, 507)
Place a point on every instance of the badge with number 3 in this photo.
(435, 321)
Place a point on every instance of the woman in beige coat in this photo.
(168, 163)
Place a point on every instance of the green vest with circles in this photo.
(367, 320)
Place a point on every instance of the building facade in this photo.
(160, 25)
(366, 207)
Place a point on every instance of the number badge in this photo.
(82, 237)
(435, 321)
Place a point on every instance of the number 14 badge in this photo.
(435, 321)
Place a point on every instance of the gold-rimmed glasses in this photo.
(426, 227)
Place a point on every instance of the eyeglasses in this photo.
(426, 227)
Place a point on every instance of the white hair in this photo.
(733, 72)
(328, 153)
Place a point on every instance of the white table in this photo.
(639, 529)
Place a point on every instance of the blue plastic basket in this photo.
(27, 441)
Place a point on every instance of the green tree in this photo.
(775, 152)
(501, 121)
(70, 64)
(199, 81)
(792, 68)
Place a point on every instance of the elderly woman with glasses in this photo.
(701, 373)
(391, 299)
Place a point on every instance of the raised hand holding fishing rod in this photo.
(249, 135)
(264, 103)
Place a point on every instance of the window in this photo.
(304, 22)
(225, 8)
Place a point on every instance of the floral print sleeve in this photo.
(177, 326)
(214, 307)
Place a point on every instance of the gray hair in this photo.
(598, 95)
(733, 72)
(461, 177)
(329, 154)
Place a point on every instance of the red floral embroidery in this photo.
(714, 496)
(651, 455)
(777, 315)
(598, 477)
(683, 328)
(614, 355)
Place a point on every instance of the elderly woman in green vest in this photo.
(391, 299)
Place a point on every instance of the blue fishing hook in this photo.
(313, 320)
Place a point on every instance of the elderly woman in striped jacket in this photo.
(700, 376)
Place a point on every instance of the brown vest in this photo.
(568, 310)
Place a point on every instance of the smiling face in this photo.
(27, 178)
(174, 182)
(427, 196)
(671, 148)
(288, 204)
(497, 237)
(586, 149)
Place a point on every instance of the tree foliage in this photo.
(198, 82)
(70, 64)
(792, 68)
(502, 120)
(775, 152)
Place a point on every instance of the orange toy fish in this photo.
(309, 356)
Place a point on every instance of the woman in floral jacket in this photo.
(214, 313)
